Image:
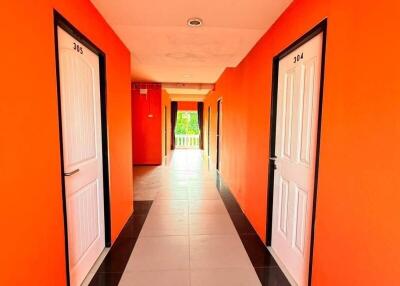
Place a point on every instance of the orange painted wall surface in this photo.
(146, 124)
(31, 218)
(357, 218)
(187, 105)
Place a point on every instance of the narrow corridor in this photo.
(289, 99)
(187, 229)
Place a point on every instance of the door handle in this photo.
(71, 173)
(273, 161)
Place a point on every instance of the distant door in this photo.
(165, 132)
(219, 134)
(82, 153)
(208, 130)
(295, 150)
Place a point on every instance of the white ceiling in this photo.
(165, 49)
(183, 89)
(187, 97)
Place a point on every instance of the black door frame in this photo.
(320, 28)
(165, 131)
(219, 101)
(60, 21)
(208, 130)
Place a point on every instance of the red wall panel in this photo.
(187, 105)
(146, 124)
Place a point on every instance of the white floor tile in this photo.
(159, 253)
(161, 207)
(211, 224)
(207, 206)
(172, 195)
(188, 238)
(204, 195)
(217, 251)
(165, 224)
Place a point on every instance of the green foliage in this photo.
(187, 123)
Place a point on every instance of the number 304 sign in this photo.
(298, 58)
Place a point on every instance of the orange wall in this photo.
(187, 105)
(31, 218)
(146, 124)
(357, 217)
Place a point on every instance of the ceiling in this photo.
(187, 97)
(181, 90)
(165, 49)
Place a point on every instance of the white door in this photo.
(296, 143)
(82, 149)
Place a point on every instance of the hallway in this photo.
(188, 231)
(200, 143)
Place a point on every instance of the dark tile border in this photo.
(264, 264)
(113, 265)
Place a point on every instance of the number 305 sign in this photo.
(78, 48)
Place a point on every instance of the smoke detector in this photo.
(194, 22)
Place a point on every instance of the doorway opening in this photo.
(165, 132)
(187, 130)
(296, 109)
(208, 131)
(81, 93)
(219, 116)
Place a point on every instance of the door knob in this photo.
(273, 161)
(71, 173)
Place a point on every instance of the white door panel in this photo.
(82, 150)
(295, 144)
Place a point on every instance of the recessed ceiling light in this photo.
(195, 22)
(187, 75)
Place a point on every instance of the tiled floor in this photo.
(189, 230)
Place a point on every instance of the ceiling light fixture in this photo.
(195, 22)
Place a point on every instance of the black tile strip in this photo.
(271, 276)
(142, 207)
(242, 224)
(133, 226)
(264, 264)
(113, 265)
(118, 256)
(106, 279)
(259, 255)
